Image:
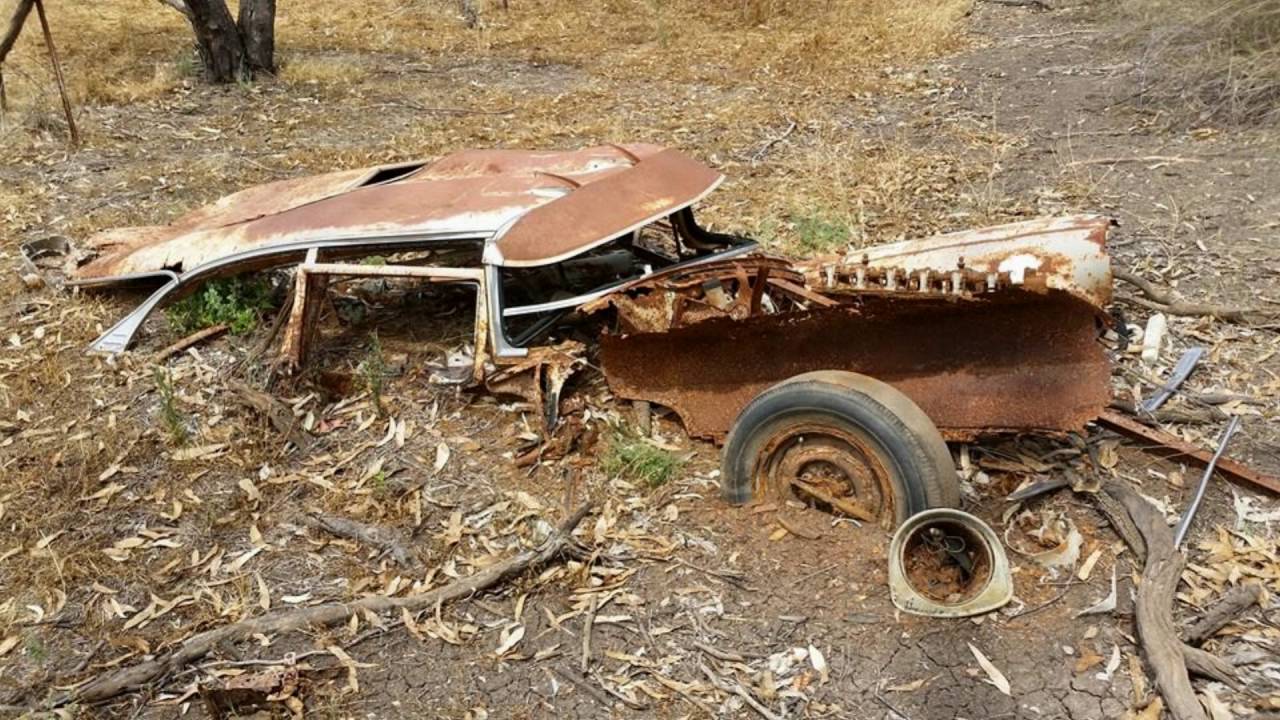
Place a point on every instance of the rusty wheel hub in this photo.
(830, 468)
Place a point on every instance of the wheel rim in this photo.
(841, 470)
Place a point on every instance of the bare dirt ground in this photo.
(119, 542)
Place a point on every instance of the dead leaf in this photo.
(907, 687)
(511, 635)
(819, 663)
(1086, 568)
(250, 489)
(997, 678)
(264, 595)
(353, 684)
(1150, 712)
(442, 456)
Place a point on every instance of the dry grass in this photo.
(1211, 60)
(776, 94)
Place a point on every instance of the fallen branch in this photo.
(389, 541)
(1163, 301)
(137, 676)
(1177, 415)
(1040, 4)
(1157, 159)
(735, 688)
(276, 412)
(755, 159)
(193, 339)
(1227, 608)
(1170, 659)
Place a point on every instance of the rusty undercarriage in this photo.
(985, 331)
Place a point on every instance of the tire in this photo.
(864, 433)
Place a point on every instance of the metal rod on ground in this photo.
(1181, 371)
(1185, 523)
(57, 73)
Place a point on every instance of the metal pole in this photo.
(57, 73)
(1185, 523)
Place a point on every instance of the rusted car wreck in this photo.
(837, 378)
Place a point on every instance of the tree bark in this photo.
(1227, 608)
(218, 40)
(16, 21)
(257, 29)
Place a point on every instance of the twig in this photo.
(88, 658)
(586, 634)
(1164, 302)
(1228, 606)
(583, 685)
(194, 338)
(735, 578)
(681, 690)
(718, 653)
(737, 689)
(791, 528)
(1040, 4)
(759, 155)
(57, 74)
(444, 110)
(281, 621)
(633, 704)
(1038, 608)
(1135, 159)
(387, 540)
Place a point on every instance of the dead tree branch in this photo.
(137, 676)
(1227, 608)
(276, 412)
(385, 539)
(1163, 301)
(1170, 659)
(1037, 4)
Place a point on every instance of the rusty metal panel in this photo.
(473, 193)
(593, 214)
(1059, 253)
(1010, 360)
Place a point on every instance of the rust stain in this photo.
(472, 194)
(655, 187)
(1009, 360)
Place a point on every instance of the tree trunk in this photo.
(218, 39)
(20, 12)
(257, 29)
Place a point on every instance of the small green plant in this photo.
(238, 302)
(36, 650)
(820, 232)
(187, 64)
(175, 423)
(373, 372)
(634, 458)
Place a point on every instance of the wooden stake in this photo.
(57, 73)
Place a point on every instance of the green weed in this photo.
(821, 233)
(239, 302)
(373, 372)
(634, 458)
(175, 423)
